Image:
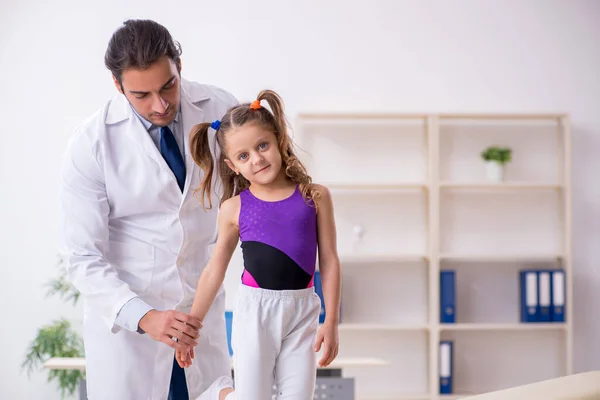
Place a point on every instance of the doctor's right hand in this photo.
(174, 328)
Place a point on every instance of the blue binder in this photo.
(545, 295)
(319, 290)
(447, 297)
(529, 295)
(228, 324)
(558, 296)
(446, 366)
(318, 284)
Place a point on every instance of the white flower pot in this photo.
(494, 171)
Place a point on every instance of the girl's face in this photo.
(253, 151)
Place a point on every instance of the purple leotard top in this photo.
(279, 241)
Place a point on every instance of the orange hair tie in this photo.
(255, 105)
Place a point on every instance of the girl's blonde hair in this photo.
(237, 116)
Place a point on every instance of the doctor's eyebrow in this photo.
(163, 87)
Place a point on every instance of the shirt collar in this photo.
(149, 125)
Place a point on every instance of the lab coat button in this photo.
(180, 261)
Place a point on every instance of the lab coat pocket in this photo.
(134, 262)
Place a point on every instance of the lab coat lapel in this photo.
(120, 110)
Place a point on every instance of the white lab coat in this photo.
(126, 231)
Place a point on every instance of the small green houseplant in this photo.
(57, 339)
(496, 158)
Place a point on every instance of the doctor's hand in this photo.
(174, 328)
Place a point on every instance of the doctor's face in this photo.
(153, 92)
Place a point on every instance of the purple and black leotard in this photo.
(279, 241)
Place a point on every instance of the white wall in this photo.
(321, 56)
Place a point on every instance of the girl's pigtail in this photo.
(201, 154)
(277, 109)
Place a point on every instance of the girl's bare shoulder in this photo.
(230, 209)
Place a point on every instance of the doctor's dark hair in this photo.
(237, 116)
(138, 44)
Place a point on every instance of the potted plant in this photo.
(495, 158)
(57, 339)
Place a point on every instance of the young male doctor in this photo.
(133, 236)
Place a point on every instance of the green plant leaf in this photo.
(62, 287)
(57, 339)
(499, 154)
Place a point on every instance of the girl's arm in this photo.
(329, 263)
(214, 273)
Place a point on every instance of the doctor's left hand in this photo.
(174, 328)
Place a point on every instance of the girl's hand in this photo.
(328, 336)
(184, 356)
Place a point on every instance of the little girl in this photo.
(283, 220)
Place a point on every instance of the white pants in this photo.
(273, 336)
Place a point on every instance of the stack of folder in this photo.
(542, 295)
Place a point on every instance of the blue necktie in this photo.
(178, 389)
(172, 155)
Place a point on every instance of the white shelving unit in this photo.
(412, 199)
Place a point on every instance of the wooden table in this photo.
(78, 363)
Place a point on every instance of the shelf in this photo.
(503, 327)
(394, 187)
(525, 258)
(386, 116)
(376, 188)
(391, 396)
(455, 396)
(382, 258)
(507, 116)
(507, 185)
(350, 118)
(431, 197)
(382, 327)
